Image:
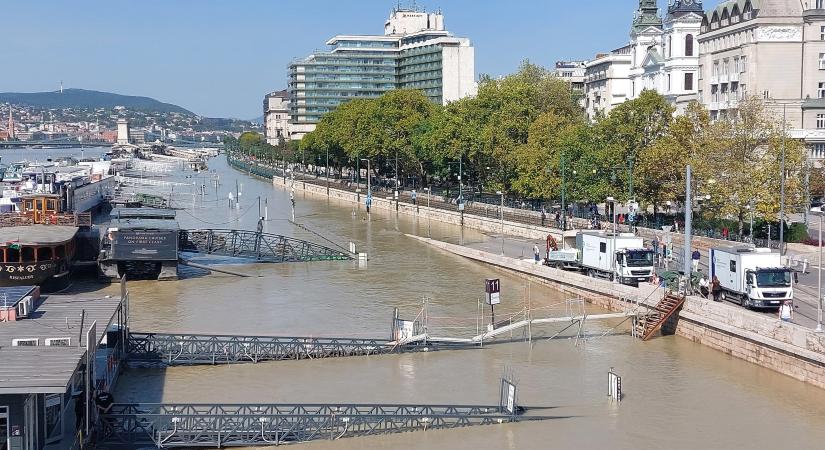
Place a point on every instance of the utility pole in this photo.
(782, 186)
(327, 170)
(563, 190)
(501, 218)
(688, 224)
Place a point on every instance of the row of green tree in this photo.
(526, 134)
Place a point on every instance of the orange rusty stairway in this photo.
(658, 315)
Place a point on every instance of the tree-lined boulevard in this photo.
(526, 135)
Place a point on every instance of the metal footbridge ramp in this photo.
(192, 349)
(227, 425)
(261, 247)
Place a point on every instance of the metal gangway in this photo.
(192, 349)
(262, 247)
(225, 425)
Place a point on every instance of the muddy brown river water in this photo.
(678, 395)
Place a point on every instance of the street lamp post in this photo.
(782, 186)
(818, 212)
(429, 212)
(327, 170)
(612, 202)
(369, 185)
(501, 220)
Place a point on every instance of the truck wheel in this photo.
(591, 273)
(743, 301)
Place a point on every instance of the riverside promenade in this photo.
(762, 339)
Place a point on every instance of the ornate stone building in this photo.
(665, 54)
(662, 55)
(771, 48)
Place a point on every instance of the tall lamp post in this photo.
(369, 185)
(612, 202)
(327, 171)
(782, 176)
(501, 220)
(429, 212)
(818, 212)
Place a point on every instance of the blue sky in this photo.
(219, 57)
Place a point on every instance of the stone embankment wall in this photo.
(483, 224)
(758, 338)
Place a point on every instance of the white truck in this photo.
(601, 254)
(753, 277)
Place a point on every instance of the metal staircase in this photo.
(658, 315)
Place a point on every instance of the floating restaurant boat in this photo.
(37, 255)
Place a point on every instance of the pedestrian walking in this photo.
(695, 257)
(536, 255)
(543, 216)
(786, 311)
(716, 288)
(414, 196)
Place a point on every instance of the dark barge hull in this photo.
(51, 276)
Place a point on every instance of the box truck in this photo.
(752, 277)
(620, 257)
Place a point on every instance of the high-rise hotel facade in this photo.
(415, 52)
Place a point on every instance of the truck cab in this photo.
(634, 265)
(768, 287)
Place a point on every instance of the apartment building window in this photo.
(818, 151)
(820, 121)
(819, 4)
(714, 93)
(689, 45)
(822, 33)
(736, 67)
(820, 90)
(822, 61)
(715, 69)
(744, 63)
(688, 81)
(734, 91)
(668, 82)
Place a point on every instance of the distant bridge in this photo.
(53, 143)
(261, 247)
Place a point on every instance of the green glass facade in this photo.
(363, 68)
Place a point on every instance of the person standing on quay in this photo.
(696, 257)
(536, 255)
(715, 288)
(786, 311)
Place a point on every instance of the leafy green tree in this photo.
(743, 167)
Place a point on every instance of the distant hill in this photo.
(259, 119)
(80, 98)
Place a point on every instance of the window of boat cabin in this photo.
(51, 204)
(12, 254)
(39, 204)
(44, 253)
(29, 205)
(27, 254)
